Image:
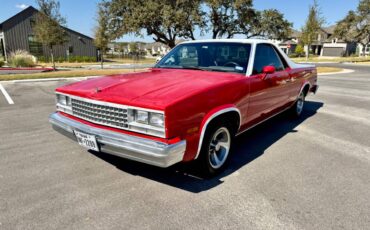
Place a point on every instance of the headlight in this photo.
(144, 121)
(141, 116)
(156, 119)
(63, 100)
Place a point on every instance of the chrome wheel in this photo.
(300, 104)
(219, 147)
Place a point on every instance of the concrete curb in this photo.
(49, 79)
(341, 72)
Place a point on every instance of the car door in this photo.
(267, 91)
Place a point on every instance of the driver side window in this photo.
(266, 55)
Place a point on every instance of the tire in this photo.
(216, 148)
(297, 109)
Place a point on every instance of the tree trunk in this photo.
(172, 43)
(52, 57)
(308, 52)
(102, 59)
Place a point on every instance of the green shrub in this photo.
(299, 50)
(21, 58)
(60, 59)
(1, 63)
(293, 55)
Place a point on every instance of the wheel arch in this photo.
(212, 116)
(305, 88)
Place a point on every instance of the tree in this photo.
(224, 17)
(270, 24)
(134, 47)
(169, 20)
(165, 20)
(48, 29)
(102, 37)
(227, 18)
(355, 27)
(312, 26)
(299, 50)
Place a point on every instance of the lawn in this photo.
(111, 61)
(328, 69)
(66, 74)
(334, 59)
(101, 72)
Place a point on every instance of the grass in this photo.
(334, 59)
(101, 72)
(66, 74)
(328, 69)
(110, 61)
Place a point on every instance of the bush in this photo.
(1, 63)
(21, 58)
(299, 50)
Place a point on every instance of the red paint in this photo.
(189, 97)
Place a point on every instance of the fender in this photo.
(304, 85)
(210, 116)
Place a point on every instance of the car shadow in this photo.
(247, 147)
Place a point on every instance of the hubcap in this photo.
(300, 103)
(219, 147)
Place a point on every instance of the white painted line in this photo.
(6, 95)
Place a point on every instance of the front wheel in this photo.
(215, 149)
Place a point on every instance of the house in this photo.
(332, 46)
(156, 49)
(289, 45)
(16, 34)
(326, 44)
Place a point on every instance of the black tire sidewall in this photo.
(204, 162)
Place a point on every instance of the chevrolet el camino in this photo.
(190, 106)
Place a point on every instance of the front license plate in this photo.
(86, 140)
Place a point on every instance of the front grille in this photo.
(100, 114)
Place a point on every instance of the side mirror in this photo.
(269, 69)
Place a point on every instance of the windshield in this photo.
(212, 56)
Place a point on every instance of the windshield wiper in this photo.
(180, 67)
(193, 68)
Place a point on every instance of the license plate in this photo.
(86, 140)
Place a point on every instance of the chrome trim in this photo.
(204, 128)
(123, 145)
(157, 131)
(110, 103)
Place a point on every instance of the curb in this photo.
(341, 72)
(49, 79)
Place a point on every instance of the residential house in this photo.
(16, 34)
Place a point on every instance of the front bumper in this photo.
(123, 145)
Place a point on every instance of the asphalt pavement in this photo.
(311, 173)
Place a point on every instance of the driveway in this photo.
(311, 173)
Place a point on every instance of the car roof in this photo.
(249, 41)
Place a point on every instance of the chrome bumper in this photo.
(123, 145)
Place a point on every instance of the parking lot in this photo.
(311, 173)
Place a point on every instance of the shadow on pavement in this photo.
(247, 147)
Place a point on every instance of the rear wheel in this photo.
(298, 106)
(216, 148)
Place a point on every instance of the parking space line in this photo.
(6, 95)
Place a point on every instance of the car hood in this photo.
(155, 88)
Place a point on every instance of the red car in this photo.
(188, 107)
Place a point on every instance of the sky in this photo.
(81, 14)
